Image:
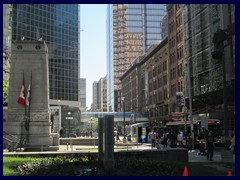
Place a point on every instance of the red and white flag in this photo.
(28, 95)
(21, 98)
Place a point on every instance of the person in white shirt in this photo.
(152, 135)
(180, 138)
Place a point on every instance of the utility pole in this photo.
(190, 104)
(124, 122)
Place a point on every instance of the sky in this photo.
(92, 45)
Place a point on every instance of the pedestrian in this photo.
(188, 142)
(232, 146)
(165, 139)
(210, 146)
(202, 148)
(61, 132)
(153, 138)
(180, 139)
(157, 140)
(117, 137)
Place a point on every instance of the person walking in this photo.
(165, 139)
(210, 145)
(180, 139)
(153, 138)
(232, 146)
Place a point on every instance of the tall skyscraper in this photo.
(102, 94)
(95, 103)
(59, 26)
(131, 30)
(83, 94)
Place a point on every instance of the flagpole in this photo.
(30, 95)
(24, 93)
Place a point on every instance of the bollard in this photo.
(67, 146)
(71, 146)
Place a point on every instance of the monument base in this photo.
(37, 137)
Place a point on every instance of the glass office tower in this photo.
(59, 26)
(131, 30)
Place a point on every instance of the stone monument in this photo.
(30, 122)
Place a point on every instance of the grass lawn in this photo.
(10, 164)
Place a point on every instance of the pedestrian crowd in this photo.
(171, 139)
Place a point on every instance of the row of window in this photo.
(158, 83)
(158, 97)
(64, 96)
(180, 52)
(179, 20)
(173, 88)
(171, 27)
(158, 70)
(159, 111)
(179, 35)
(172, 58)
(171, 42)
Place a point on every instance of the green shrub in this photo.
(58, 166)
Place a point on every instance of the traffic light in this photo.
(180, 99)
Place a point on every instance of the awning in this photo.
(140, 124)
(176, 123)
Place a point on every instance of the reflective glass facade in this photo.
(59, 26)
(131, 30)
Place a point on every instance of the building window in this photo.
(165, 79)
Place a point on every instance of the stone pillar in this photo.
(108, 141)
(29, 57)
(100, 139)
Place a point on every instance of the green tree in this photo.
(5, 89)
(95, 124)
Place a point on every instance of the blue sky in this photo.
(93, 45)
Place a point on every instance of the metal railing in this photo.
(11, 142)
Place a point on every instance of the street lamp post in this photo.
(69, 118)
(124, 122)
(91, 120)
(190, 104)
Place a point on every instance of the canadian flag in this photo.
(21, 98)
(28, 95)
